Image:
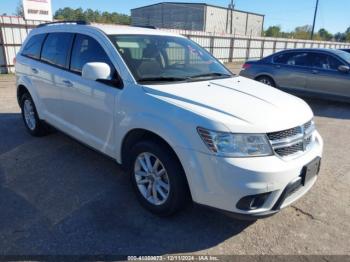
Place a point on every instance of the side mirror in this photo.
(96, 71)
(344, 69)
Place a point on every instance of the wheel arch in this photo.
(139, 134)
(21, 90)
(265, 75)
(24, 84)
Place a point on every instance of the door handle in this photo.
(315, 72)
(278, 66)
(68, 83)
(34, 70)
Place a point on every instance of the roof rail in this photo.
(77, 22)
(146, 26)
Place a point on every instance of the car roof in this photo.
(329, 50)
(106, 28)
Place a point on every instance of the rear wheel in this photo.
(34, 125)
(158, 178)
(266, 80)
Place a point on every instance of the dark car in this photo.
(321, 72)
(346, 50)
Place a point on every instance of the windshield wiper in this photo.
(209, 75)
(161, 79)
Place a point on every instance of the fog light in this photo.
(252, 202)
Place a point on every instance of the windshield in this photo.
(344, 55)
(158, 59)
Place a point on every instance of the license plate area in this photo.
(310, 170)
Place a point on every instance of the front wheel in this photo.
(158, 178)
(266, 80)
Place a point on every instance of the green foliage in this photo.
(323, 34)
(304, 32)
(90, 15)
(273, 31)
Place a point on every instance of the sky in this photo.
(333, 14)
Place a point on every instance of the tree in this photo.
(347, 34)
(302, 32)
(340, 37)
(273, 31)
(90, 15)
(19, 9)
(325, 35)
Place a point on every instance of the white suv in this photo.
(183, 127)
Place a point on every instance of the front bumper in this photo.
(221, 183)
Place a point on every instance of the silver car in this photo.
(311, 72)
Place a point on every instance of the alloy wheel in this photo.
(151, 178)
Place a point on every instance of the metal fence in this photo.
(13, 31)
(228, 48)
(237, 48)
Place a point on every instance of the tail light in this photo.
(246, 66)
(14, 61)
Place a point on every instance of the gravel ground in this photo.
(59, 197)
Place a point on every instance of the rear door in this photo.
(89, 106)
(326, 78)
(54, 65)
(291, 70)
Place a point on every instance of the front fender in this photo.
(149, 122)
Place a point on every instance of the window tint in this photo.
(86, 50)
(282, 58)
(56, 48)
(294, 59)
(324, 61)
(33, 47)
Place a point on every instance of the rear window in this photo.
(33, 47)
(56, 49)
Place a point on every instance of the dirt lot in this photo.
(59, 197)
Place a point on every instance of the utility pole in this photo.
(313, 25)
(232, 6)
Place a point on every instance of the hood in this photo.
(241, 104)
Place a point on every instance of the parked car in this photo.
(346, 50)
(181, 125)
(321, 72)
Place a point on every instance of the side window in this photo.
(283, 58)
(334, 63)
(56, 48)
(324, 61)
(300, 59)
(33, 47)
(86, 50)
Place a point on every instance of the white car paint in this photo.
(101, 117)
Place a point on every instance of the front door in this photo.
(89, 106)
(326, 78)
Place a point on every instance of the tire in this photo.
(171, 198)
(266, 80)
(33, 124)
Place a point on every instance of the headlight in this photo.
(235, 145)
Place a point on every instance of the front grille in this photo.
(285, 133)
(292, 141)
(290, 150)
(307, 125)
